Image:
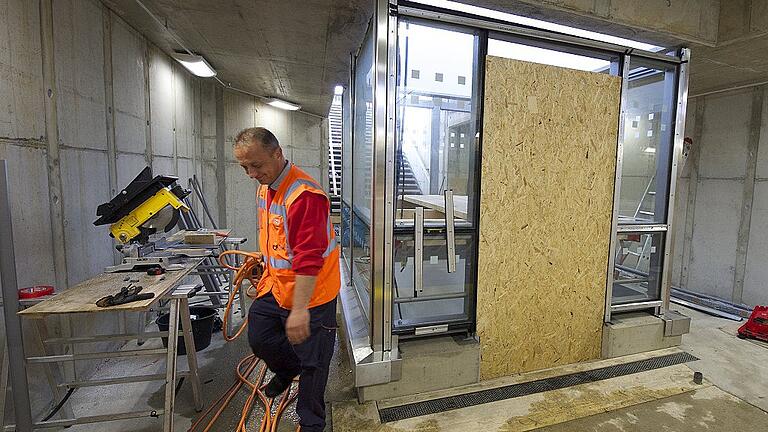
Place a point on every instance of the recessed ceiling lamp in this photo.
(195, 64)
(279, 103)
(650, 150)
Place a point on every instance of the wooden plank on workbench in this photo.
(178, 236)
(83, 296)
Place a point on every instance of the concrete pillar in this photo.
(148, 151)
(742, 245)
(693, 160)
(52, 138)
(221, 158)
(109, 100)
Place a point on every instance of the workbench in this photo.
(82, 298)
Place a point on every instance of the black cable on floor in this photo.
(59, 405)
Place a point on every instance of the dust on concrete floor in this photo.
(736, 368)
(709, 409)
(216, 365)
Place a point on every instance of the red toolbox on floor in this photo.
(756, 326)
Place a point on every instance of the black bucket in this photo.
(202, 327)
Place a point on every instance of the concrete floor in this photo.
(216, 363)
(734, 396)
(737, 401)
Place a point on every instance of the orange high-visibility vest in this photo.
(279, 277)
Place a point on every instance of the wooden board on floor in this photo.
(548, 169)
(83, 296)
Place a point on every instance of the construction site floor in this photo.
(733, 396)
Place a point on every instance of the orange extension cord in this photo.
(244, 369)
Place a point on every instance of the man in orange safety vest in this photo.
(292, 323)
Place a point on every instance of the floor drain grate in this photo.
(516, 390)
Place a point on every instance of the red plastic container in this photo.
(35, 291)
(756, 326)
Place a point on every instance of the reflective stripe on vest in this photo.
(331, 240)
(298, 182)
(279, 263)
(280, 210)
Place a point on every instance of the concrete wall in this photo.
(303, 137)
(117, 104)
(721, 215)
(121, 104)
(104, 111)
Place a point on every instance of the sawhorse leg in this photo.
(170, 368)
(179, 308)
(189, 344)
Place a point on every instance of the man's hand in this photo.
(297, 326)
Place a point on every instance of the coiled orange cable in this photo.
(250, 270)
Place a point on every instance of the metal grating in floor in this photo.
(516, 390)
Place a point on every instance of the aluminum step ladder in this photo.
(646, 207)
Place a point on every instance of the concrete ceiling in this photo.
(296, 50)
(728, 38)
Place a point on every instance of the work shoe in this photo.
(276, 386)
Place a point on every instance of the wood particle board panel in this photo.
(548, 170)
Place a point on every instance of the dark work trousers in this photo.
(309, 360)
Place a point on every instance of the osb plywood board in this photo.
(548, 169)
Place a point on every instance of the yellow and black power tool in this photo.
(146, 206)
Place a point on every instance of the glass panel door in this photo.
(437, 149)
(637, 270)
(646, 166)
(648, 129)
(362, 168)
(436, 112)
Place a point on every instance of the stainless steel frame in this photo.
(13, 332)
(637, 305)
(661, 305)
(642, 228)
(381, 198)
(348, 133)
(418, 253)
(373, 347)
(443, 15)
(682, 107)
(450, 235)
(617, 186)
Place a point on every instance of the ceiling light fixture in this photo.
(279, 103)
(338, 90)
(650, 150)
(195, 64)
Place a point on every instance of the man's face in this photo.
(260, 164)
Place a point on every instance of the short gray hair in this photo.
(260, 135)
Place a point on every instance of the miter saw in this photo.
(147, 206)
